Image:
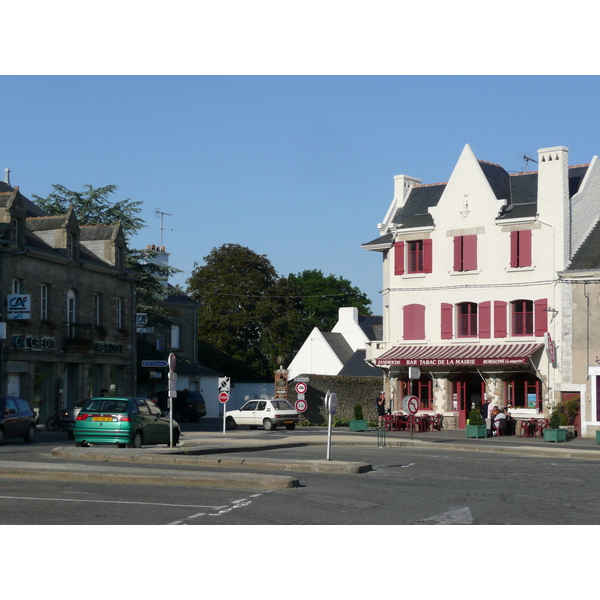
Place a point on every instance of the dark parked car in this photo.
(16, 419)
(69, 415)
(188, 405)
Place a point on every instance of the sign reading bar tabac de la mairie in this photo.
(451, 362)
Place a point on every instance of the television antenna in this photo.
(159, 214)
(528, 160)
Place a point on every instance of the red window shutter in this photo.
(469, 252)
(540, 316)
(525, 248)
(446, 321)
(458, 253)
(399, 258)
(414, 322)
(427, 256)
(485, 319)
(500, 309)
(514, 249)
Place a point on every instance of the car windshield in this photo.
(282, 405)
(106, 405)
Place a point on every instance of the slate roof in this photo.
(337, 342)
(588, 254)
(357, 367)
(187, 367)
(519, 190)
(89, 233)
(372, 326)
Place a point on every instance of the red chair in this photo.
(388, 422)
(540, 426)
(436, 422)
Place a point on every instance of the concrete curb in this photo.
(247, 481)
(271, 464)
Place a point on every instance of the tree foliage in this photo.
(248, 314)
(322, 297)
(93, 206)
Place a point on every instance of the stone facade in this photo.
(76, 334)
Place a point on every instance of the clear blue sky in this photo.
(299, 168)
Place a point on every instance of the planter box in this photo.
(358, 425)
(555, 435)
(597, 436)
(476, 431)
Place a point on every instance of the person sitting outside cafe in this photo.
(498, 421)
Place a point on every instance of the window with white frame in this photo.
(119, 313)
(175, 336)
(71, 311)
(97, 310)
(17, 286)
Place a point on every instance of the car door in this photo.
(11, 418)
(161, 424)
(261, 412)
(246, 413)
(147, 423)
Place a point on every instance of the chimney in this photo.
(7, 176)
(553, 197)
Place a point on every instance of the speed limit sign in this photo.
(301, 405)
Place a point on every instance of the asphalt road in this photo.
(408, 486)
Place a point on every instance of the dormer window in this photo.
(71, 245)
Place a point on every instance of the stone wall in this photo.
(349, 391)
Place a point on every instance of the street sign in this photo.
(224, 384)
(157, 364)
(410, 404)
(172, 362)
(331, 402)
(302, 379)
(301, 388)
(301, 405)
(223, 397)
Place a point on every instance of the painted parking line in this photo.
(223, 510)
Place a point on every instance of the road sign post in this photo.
(223, 398)
(172, 393)
(410, 404)
(331, 406)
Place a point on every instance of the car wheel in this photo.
(52, 424)
(176, 436)
(137, 440)
(30, 436)
(290, 426)
(230, 423)
(269, 425)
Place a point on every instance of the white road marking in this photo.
(457, 516)
(112, 502)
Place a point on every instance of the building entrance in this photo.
(467, 389)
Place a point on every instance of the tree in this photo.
(322, 297)
(93, 206)
(248, 314)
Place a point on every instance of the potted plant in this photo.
(359, 423)
(476, 428)
(554, 433)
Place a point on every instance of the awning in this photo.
(463, 355)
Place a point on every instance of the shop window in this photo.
(524, 391)
(422, 389)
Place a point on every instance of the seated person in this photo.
(498, 420)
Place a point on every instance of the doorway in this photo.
(467, 389)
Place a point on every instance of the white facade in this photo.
(513, 236)
(318, 357)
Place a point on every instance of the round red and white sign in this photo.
(301, 405)
(223, 397)
(301, 387)
(410, 404)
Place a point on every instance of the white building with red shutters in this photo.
(471, 291)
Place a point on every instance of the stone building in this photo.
(67, 306)
(475, 289)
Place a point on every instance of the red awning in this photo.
(458, 355)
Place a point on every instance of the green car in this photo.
(123, 421)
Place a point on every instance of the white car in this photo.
(266, 413)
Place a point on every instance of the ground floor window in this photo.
(524, 391)
(422, 389)
(117, 381)
(43, 390)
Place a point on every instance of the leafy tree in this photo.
(93, 206)
(321, 297)
(248, 314)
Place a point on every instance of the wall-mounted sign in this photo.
(108, 348)
(18, 306)
(32, 342)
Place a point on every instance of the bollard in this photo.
(381, 436)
